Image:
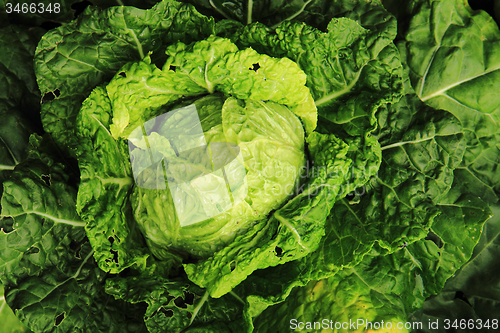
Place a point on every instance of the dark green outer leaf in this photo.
(478, 173)
(10, 323)
(441, 37)
(399, 205)
(454, 234)
(72, 299)
(73, 59)
(22, 42)
(178, 305)
(40, 206)
(473, 292)
(19, 96)
(52, 283)
(13, 142)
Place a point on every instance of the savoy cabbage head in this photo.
(203, 170)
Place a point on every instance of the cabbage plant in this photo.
(249, 166)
